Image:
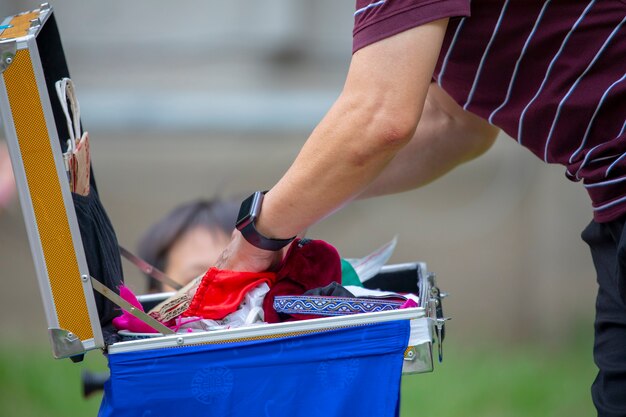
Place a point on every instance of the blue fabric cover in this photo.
(354, 371)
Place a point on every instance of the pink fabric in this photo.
(7, 181)
(409, 304)
(127, 321)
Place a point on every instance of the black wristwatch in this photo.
(248, 214)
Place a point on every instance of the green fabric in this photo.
(349, 275)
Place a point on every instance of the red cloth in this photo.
(221, 292)
(308, 264)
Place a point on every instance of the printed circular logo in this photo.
(209, 384)
(338, 374)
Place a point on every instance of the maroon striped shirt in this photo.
(550, 74)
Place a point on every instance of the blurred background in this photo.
(205, 98)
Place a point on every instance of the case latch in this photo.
(435, 313)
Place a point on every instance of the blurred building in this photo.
(198, 97)
(205, 64)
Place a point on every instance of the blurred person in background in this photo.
(188, 240)
(429, 88)
(7, 181)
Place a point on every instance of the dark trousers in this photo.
(608, 249)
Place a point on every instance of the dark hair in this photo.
(155, 244)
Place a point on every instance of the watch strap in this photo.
(255, 238)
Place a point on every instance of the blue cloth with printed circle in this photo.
(350, 371)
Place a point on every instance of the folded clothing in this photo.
(308, 264)
(221, 292)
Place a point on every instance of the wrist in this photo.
(271, 225)
(250, 250)
(247, 224)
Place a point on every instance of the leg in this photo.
(608, 249)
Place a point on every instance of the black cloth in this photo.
(608, 249)
(333, 289)
(101, 250)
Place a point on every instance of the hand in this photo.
(241, 256)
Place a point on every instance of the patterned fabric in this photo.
(331, 306)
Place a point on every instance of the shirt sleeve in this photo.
(375, 20)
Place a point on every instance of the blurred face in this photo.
(193, 253)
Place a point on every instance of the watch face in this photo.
(244, 213)
(249, 210)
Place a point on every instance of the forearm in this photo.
(372, 120)
(337, 162)
(446, 137)
(375, 116)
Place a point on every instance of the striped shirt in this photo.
(551, 74)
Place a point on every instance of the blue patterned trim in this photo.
(331, 306)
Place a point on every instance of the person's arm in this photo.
(373, 118)
(446, 137)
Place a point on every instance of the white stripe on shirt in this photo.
(369, 6)
(604, 158)
(586, 160)
(571, 90)
(607, 182)
(519, 59)
(622, 131)
(549, 70)
(593, 118)
(609, 205)
(484, 57)
(608, 170)
(447, 57)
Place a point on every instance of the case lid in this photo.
(43, 187)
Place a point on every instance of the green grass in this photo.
(33, 384)
(472, 381)
(507, 382)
